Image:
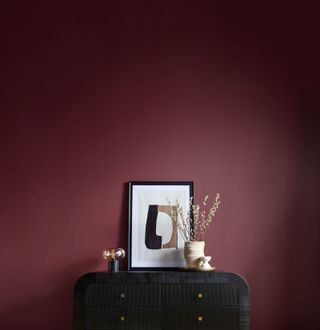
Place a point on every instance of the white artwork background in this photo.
(142, 197)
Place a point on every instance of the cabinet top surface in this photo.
(161, 277)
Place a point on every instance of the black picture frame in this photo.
(148, 212)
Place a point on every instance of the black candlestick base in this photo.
(113, 266)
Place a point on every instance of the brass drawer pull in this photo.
(200, 295)
(200, 318)
(122, 318)
(122, 295)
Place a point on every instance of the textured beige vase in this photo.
(192, 252)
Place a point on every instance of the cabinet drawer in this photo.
(201, 318)
(199, 294)
(122, 318)
(122, 294)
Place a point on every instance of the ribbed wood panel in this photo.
(200, 318)
(110, 318)
(219, 295)
(122, 294)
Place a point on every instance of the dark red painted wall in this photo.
(96, 95)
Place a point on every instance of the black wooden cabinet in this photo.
(161, 300)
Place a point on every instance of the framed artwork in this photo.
(154, 241)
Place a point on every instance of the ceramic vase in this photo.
(192, 252)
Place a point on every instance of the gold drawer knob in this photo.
(200, 318)
(122, 318)
(122, 295)
(200, 295)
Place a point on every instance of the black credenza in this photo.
(161, 300)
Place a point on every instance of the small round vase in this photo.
(192, 252)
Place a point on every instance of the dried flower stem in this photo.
(194, 225)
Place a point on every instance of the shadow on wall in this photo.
(301, 241)
(284, 275)
(54, 309)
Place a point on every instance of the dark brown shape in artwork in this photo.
(152, 240)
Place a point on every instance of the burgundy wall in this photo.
(96, 95)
